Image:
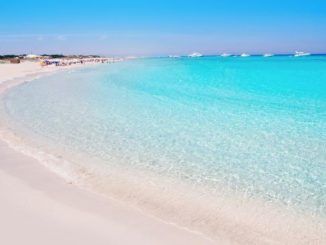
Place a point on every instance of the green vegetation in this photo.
(49, 56)
(8, 56)
(54, 56)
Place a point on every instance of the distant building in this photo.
(32, 56)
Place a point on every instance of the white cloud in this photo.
(103, 37)
(40, 38)
(61, 38)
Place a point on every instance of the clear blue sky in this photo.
(141, 27)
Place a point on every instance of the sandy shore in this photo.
(12, 71)
(39, 207)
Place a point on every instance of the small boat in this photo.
(300, 53)
(268, 55)
(174, 56)
(225, 55)
(195, 54)
(245, 55)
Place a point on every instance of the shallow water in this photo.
(255, 127)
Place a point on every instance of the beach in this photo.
(163, 122)
(125, 153)
(39, 207)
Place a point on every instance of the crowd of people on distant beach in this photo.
(68, 62)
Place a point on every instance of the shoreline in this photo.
(240, 228)
(32, 194)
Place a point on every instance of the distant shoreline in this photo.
(23, 57)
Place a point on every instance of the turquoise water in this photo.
(253, 126)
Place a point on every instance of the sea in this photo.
(208, 143)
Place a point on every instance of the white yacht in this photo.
(195, 54)
(225, 55)
(245, 55)
(268, 55)
(300, 53)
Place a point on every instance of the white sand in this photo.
(10, 71)
(38, 207)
